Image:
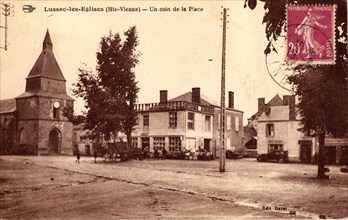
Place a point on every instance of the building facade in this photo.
(37, 114)
(187, 122)
(250, 130)
(278, 129)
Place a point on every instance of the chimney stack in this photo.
(163, 96)
(231, 99)
(196, 95)
(292, 111)
(286, 100)
(261, 105)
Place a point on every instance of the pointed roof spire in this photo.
(46, 65)
(47, 43)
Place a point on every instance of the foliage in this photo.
(322, 90)
(68, 112)
(110, 93)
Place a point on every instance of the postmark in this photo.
(311, 34)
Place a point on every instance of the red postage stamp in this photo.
(311, 34)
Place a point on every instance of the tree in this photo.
(110, 93)
(322, 90)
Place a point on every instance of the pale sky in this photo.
(176, 47)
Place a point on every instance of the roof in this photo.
(7, 106)
(188, 98)
(275, 101)
(46, 65)
(277, 113)
(45, 94)
(204, 100)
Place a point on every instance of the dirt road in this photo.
(56, 187)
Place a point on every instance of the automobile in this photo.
(279, 156)
(232, 155)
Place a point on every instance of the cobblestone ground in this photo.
(47, 187)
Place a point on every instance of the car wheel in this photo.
(281, 160)
(259, 159)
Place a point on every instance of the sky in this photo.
(179, 49)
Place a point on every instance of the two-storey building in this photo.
(278, 129)
(187, 122)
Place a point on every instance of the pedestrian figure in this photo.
(146, 153)
(156, 154)
(164, 153)
(77, 152)
(95, 154)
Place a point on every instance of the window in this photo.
(173, 119)
(174, 144)
(236, 125)
(158, 143)
(146, 120)
(229, 122)
(275, 147)
(55, 113)
(207, 123)
(270, 130)
(191, 121)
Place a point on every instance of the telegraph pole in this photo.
(223, 107)
(6, 12)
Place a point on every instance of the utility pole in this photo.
(6, 12)
(223, 107)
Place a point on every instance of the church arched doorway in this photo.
(54, 141)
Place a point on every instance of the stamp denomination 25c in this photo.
(311, 34)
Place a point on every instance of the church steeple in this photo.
(47, 43)
(46, 78)
(46, 65)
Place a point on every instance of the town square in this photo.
(180, 109)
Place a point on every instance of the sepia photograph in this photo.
(232, 109)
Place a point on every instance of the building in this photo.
(187, 122)
(33, 122)
(250, 130)
(278, 129)
(81, 140)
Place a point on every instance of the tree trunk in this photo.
(129, 139)
(321, 157)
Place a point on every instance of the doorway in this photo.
(145, 142)
(305, 153)
(330, 154)
(54, 141)
(207, 145)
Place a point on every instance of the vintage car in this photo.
(279, 156)
(232, 155)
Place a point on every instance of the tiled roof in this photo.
(204, 100)
(45, 94)
(188, 98)
(7, 106)
(46, 65)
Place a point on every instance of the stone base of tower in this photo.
(46, 137)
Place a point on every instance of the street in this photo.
(47, 187)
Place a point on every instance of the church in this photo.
(33, 122)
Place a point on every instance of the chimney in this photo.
(163, 96)
(292, 111)
(286, 100)
(196, 95)
(231, 99)
(261, 105)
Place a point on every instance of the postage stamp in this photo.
(311, 34)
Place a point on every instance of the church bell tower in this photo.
(41, 122)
